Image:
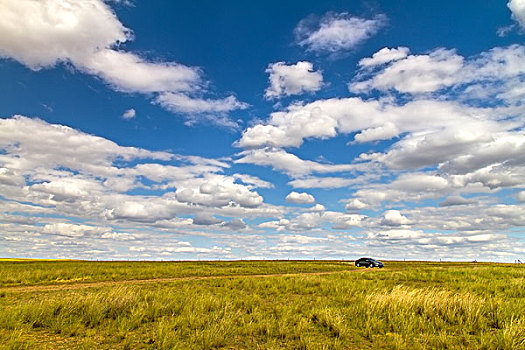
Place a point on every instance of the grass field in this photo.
(260, 305)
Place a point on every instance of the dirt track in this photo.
(84, 285)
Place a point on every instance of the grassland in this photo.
(260, 305)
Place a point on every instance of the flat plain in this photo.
(260, 305)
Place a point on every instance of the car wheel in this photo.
(371, 266)
(357, 264)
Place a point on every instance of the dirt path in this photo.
(84, 285)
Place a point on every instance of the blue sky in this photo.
(228, 130)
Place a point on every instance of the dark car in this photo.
(368, 262)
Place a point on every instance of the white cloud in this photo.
(288, 163)
(517, 8)
(277, 225)
(383, 132)
(316, 219)
(521, 196)
(342, 221)
(39, 144)
(301, 239)
(293, 79)
(336, 31)
(416, 73)
(420, 182)
(439, 244)
(235, 225)
(443, 68)
(411, 187)
(199, 110)
(306, 221)
(355, 204)
(128, 72)
(456, 200)
(374, 120)
(397, 235)
(87, 35)
(181, 103)
(118, 236)
(394, 218)
(300, 198)
(142, 210)
(325, 182)
(63, 171)
(217, 191)
(129, 114)
(253, 181)
(74, 230)
(40, 34)
(66, 189)
(206, 220)
(384, 55)
(318, 208)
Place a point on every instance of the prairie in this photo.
(260, 305)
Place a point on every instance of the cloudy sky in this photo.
(138, 129)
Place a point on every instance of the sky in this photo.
(207, 130)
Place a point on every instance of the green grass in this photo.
(403, 306)
(34, 272)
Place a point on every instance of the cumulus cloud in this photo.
(288, 163)
(373, 120)
(235, 225)
(383, 56)
(394, 218)
(217, 191)
(253, 181)
(383, 132)
(336, 32)
(58, 169)
(469, 145)
(118, 236)
(129, 114)
(410, 187)
(206, 220)
(517, 7)
(184, 104)
(441, 68)
(456, 200)
(88, 35)
(318, 208)
(415, 73)
(326, 182)
(355, 204)
(293, 79)
(140, 210)
(37, 143)
(300, 198)
(301, 239)
(74, 230)
(521, 196)
(439, 244)
(397, 235)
